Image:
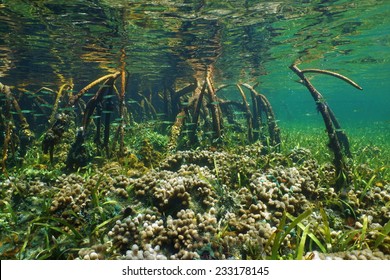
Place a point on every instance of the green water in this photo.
(44, 43)
(51, 209)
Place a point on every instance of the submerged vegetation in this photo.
(185, 187)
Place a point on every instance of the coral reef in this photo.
(71, 195)
(365, 254)
(200, 211)
(96, 252)
(213, 205)
(149, 253)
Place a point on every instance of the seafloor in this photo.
(232, 203)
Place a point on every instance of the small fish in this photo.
(108, 96)
(27, 111)
(47, 105)
(99, 157)
(107, 112)
(39, 115)
(67, 109)
(45, 92)
(209, 133)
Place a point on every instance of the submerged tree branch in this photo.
(248, 113)
(334, 141)
(334, 74)
(76, 97)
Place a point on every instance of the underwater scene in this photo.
(244, 130)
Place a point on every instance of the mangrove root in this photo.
(215, 108)
(26, 136)
(248, 114)
(262, 103)
(197, 101)
(78, 155)
(76, 97)
(337, 138)
(54, 134)
(176, 130)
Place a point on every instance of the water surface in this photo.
(45, 43)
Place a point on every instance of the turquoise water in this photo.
(44, 43)
(95, 167)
